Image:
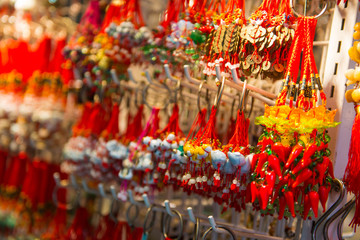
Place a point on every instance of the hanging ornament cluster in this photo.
(89, 26)
(292, 170)
(222, 44)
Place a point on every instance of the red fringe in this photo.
(352, 173)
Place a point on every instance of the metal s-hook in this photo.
(316, 16)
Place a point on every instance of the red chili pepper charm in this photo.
(307, 206)
(289, 197)
(254, 191)
(322, 146)
(323, 195)
(282, 204)
(279, 149)
(314, 201)
(254, 161)
(297, 149)
(321, 168)
(302, 177)
(264, 196)
(262, 159)
(331, 169)
(270, 179)
(275, 165)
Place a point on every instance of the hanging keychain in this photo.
(292, 164)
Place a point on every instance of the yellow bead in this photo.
(356, 35)
(349, 74)
(348, 95)
(354, 54)
(355, 95)
(356, 74)
(357, 26)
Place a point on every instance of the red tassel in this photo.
(112, 128)
(352, 173)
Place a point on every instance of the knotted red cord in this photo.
(173, 124)
(198, 125)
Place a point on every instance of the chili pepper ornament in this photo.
(351, 175)
(294, 143)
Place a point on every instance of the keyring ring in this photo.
(146, 228)
(145, 92)
(111, 213)
(65, 206)
(210, 229)
(132, 220)
(197, 229)
(298, 15)
(166, 219)
(219, 93)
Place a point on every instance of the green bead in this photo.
(197, 25)
(195, 56)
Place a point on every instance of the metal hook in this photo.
(217, 228)
(234, 75)
(233, 106)
(242, 99)
(102, 190)
(168, 209)
(344, 211)
(196, 221)
(87, 189)
(168, 73)
(114, 77)
(343, 217)
(150, 81)
(146, 200)
(89, 81)
(219, 93)
(317, 16)
(340, 188)
(131, 76)
(131, 198)
(188, 77)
